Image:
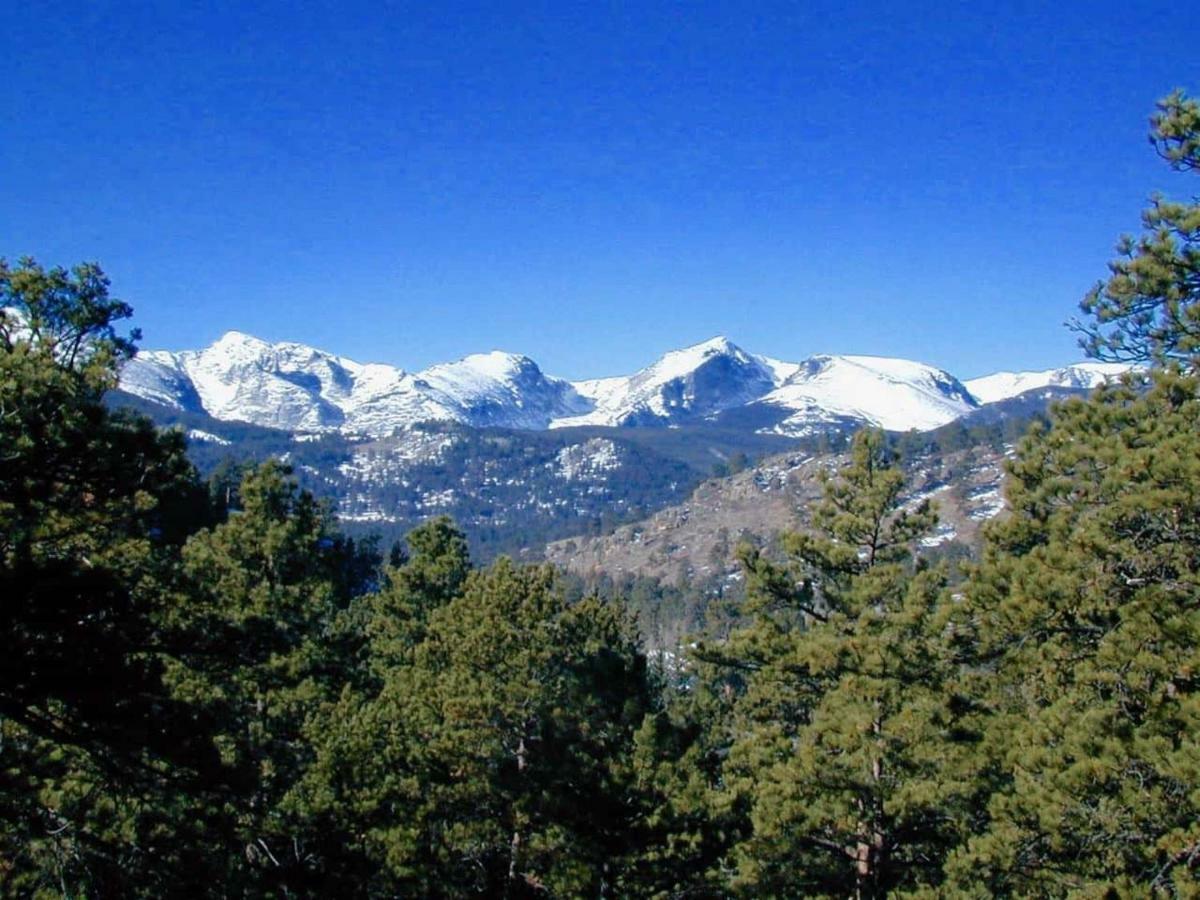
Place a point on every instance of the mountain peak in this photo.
(495, 363)
(294, 386)
(717, 344)
(681, 385)
(234, 337)
(678, 363)
(1078, 376)
(896, 394)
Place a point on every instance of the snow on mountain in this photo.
(503, 389)
(299, 388)
(717, 375)
(895, 394)
(157, 375)
(682, 385)
(1003, 385)
(283, 385)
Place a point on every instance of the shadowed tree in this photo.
(100, 763)
(495, 759)
(272, 590)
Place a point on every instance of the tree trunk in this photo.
(869, 852)
(514, 847)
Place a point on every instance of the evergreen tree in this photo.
(688, 824)
(1080, 627)
(495, 759)
(270, 587)
(361, 789)
(844, 754)
(1149, 308)
(434, 573)
(1083, 629)
(99, 762)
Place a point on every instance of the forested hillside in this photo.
(208, 689)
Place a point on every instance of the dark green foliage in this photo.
(842, 751)
(272, 589)
(66, 315)
(1148, 309)
(97, 755)
(1079, 632)
(1084, 634)
(493, 758)
(428, 576)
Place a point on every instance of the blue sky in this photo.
(592, 183)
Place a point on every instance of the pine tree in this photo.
(1080, 628)
(100, 762)
(1085, 636)
(363, 786)
(434, 573)
(1148, 310)
(687, 823)
(845, 755)
(495, 758)
(269, 589)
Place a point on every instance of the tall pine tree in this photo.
(495, 759)
(1081, 625)
(271, 589)
(845, 753)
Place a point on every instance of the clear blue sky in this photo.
(592, 183)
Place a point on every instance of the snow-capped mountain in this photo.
(1080, 376)
(683, 385)
(895, 394)
(295, 387)
(298, 388)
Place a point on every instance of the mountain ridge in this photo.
(296, 387)
(1082, 376)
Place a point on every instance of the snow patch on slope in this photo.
(591, 460)
(207, 437)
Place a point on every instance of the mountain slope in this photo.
(1080, 376)
(696, 539)
(684, 385)
(895, 394)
